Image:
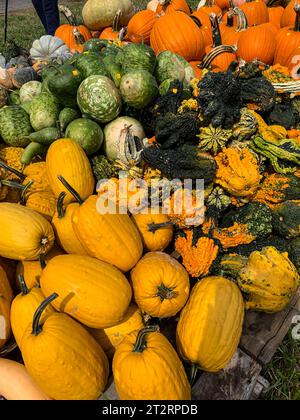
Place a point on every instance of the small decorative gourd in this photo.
(63, 358)
(269, 280)
(210, 325)
(161, 292)
(146, 367)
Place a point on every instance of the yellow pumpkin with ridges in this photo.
(161, 285)
(25, 234)
(63, 358)
(94, 292)
(146, 367)
(111, 337)
(210, 324)
(67, 158)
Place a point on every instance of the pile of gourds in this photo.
(84, 294)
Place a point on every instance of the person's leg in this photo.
(51, 13)
(38, 5)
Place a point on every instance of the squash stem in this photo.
(153, 227)
(141, 343)
(36, 326)
(59, 130)
(11, 184)
(297, 20)
(42, 260)
(12, 170)
(217, 40)
(23, 285)
(194, 370)
(68, 15)
(70, 189)
(23, 195)
(164, 292)
(60, 202)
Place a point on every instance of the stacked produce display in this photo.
(160, 94)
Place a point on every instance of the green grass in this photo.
(283, 372)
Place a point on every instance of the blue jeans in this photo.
(48, 13)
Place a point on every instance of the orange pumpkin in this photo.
(256, 12)
(223, 4)
(287, 40)
(219, 56)
(288, 15)
(202, 21)
(257, 42)
(187, 40)
(211, 7)
(197, 70)
(112, 32)
(169, 6)
(140, 26)
(275, 14)
(73, 35)
(231, 35)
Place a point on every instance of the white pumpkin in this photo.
(49, 47)
(112, 134)
(29, 90)
(98, 14)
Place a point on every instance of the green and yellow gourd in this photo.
(63, 358)
(286, 219)
(269, 280)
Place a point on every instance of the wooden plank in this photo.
(263, 333)
(235, 382)
(261, 386)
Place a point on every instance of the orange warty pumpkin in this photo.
(140, 26)
(257, 42)
(169, 6)
(287, 40)
(73, 35)
(178, 33)
(256, 12)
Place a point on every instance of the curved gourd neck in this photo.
(216, 34)
(60, 205)
(36, 326)
(141, 341)
(242, 22)
(71, 190)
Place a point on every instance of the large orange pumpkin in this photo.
(178, 33)
(231, 35)
(256, 12)
(73, 35)
(140, 26)
(202, 21)
(169, 6)
(257, 42)
(287, 40)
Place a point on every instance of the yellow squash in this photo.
(210, 325)
(146, 367)
(155, 229)
(161, 285)
(95, 293)
(6, 296)
(269, 280)
(63, 358)
(23, 308)
(25, 234)
(110, 338)
(67, 158)
(32, 270)
(63, 227)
